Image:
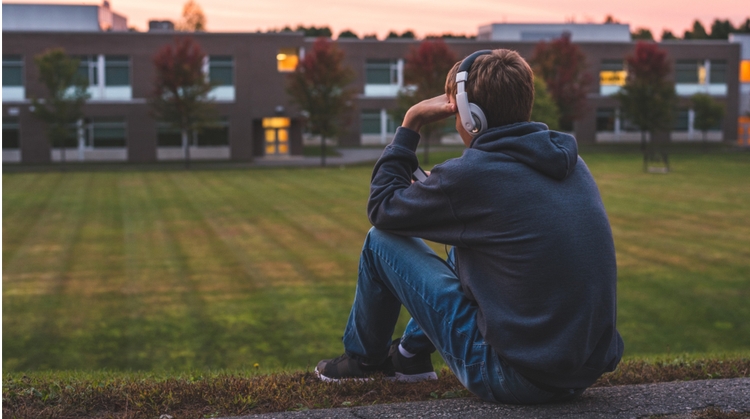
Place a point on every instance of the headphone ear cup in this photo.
(480, 121)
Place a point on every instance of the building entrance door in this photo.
(277, 136)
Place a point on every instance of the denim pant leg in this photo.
(397, 270)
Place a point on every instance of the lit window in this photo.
(612, 73)
(116, 70)
(276, 135)
(745, 71)
(12, 70)
(287, 59)
(221, 70)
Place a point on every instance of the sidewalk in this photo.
(675, 400)
(348, 156)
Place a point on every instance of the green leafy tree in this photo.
(708, 113)
(66, 95)
(648, 96)
(320, 87)
(315, 32)
(544, 109)
(698, 32)
(193, 18)
(562, 65)
(348, 34)
(721, 29)
(424, 74)
(643, 34)
(180, 97)
(667, 34)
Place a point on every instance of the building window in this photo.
(701, 76)
(689, 71)
(745, 71)
(376, 126)
(12, 70)
(276, 132)
(605, 119)
(116, 70)
(214, 135)
(370, 122)
(383, 78)
(88, 69)
(109, 133)
(681, 120)
(11, 132)
(166, 136)
(287, 59)
(381, 72)
(718, 72)
(13, 88)
(612, 76)
(221, 70)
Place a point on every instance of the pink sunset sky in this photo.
(428, 16)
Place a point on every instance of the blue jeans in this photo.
(396, 270)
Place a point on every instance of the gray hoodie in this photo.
(534, 247)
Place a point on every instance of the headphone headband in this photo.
(472, 116)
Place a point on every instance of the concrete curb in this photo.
(675, 400)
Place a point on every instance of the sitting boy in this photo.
(523, 310)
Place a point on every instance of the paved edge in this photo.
(675, 399)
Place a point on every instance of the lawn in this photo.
(177, 270)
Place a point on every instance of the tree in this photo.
(647, 98)
(348, 34)
(610, 19)
(544, 109)
(562, 66)
(424, 74)
(708, 113)
(312, 31)
(667, 34)
(320, 87)
(193, 19)
(643, 34)
(698, 32)
(66, 95)
(721, 29)
(180, 96)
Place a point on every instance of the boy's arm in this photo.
(421, 209)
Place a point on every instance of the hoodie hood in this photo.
(550, 152)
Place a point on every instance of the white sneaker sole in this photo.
(404, 378)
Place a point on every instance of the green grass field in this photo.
(176, 270)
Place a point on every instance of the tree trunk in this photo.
(643, 141)
(186, 148)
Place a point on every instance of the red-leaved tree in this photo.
(648, 97)
(424, 75)
(320, 86)
(562, 65)
(180, 96)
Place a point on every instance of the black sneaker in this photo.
(414, 369)
(345, 368)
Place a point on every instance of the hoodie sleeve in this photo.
(419, 209)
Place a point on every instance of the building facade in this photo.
(257, 118)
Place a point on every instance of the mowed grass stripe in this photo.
(23, 204)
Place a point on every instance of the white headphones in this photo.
(472, 116)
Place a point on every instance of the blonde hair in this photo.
(501, 83)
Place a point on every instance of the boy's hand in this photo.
(427, 111)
